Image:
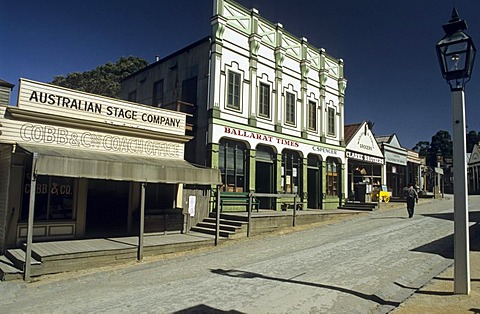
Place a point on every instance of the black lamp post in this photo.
(456, 54)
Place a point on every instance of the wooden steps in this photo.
(231, 226)
(359, 206)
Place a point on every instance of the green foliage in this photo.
(104, 79)
(472, 139)
(422, 148)
(442, 144)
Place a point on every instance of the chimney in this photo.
(5, 92)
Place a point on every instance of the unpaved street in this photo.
(367, 263)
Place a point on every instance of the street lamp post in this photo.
(456, 54)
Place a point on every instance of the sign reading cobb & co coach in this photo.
(46, 98)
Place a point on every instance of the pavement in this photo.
(437, 296)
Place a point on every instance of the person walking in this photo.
(412, 198)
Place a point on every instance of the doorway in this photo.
(314, 184)
(107, 208)
(265, 176)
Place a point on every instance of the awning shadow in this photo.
(250, 275)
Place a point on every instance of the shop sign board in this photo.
(59, 101)
(255, 138)
(364, 157)
(395, 158)
(15, 131)
(364, 143)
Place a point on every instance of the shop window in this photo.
(233, 92)
(291, 172)
(333, 172)
(157, 97)
(331, 121)
(264, 100)
(312, 115)
(290, 108)
(53, 198)
(232, 162)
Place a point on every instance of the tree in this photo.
(422, 148)
(104, 79)
(441, 144)
(472, 139)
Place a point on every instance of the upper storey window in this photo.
(157, 97)
(290, 108)
(331, 121)
(233, 92)
(264, 100)
(312, 115)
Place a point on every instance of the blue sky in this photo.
(388, 47)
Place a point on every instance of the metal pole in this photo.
(31, 212)
(250, 201)
(142, 223)
(295, 211)
(460, 211)
(217, 217)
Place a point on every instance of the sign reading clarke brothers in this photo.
(46, 98)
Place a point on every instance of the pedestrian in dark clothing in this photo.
(412, 198)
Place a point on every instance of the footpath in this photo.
(437, 295)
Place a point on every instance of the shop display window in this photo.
(291, 172)
(53, 198)
(333, 177)
(233, 165)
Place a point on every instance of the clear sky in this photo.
(388, 47)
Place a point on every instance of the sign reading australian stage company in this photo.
(47, 98)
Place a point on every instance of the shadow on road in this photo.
(444, 246)
(202, 308)
(249, 275)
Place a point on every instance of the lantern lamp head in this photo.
(456, 53)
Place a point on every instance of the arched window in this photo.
(232, 162)
(291, 171)
(333, 175)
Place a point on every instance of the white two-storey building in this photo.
(267, 107)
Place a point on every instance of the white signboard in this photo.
(192, 200)
(59, 101)
(256, 138)
(14, 131)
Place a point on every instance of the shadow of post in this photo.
(250, 275)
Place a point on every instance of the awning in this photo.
(57, 161)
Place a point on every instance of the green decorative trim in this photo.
(278, 128)
(304, 134)
(252, 121)
(214, 113)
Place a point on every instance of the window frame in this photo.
(264, 100)
(331, 125)
(237, 170)
(234, 91)
(155, 96)
(312, 115)
(290, 108)
(333, 177)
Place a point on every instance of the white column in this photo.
(461, 236)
